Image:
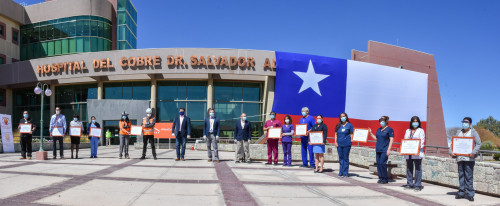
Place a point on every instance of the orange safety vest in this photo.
(147, 130)
(123, 131)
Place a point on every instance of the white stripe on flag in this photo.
(375, 90)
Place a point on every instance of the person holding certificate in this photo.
(124, 134)
(384, 138)
(26, 128)
(272, 143)
(466, 163)
(242, 136)
(75, 138)
(94, 141)
(304, 140)
(319, 149)
(343, 141)
(286, 141)
(57, 130)
(148, 124)
(415, 161)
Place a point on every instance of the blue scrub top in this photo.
(383, 139)
(344, 135)
(309, 120)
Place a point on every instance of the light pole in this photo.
(38, 90)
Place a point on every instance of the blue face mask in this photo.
(304, 114)
(25, 115)
(272, 116)
(319, 121)
(212, 114)
(343, 119)
(244, 118)
(93, 121)
(414, 124)
(75, 119)
(465, 125)
(181, 112)
(382, 123)
(124, 117)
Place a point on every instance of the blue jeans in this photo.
(94, 143)
(344, 160)
(382, 166)
(466, 178)
(180, 146)
(417, 179)
(304, 142)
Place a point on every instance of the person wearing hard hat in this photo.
(124, 134)
(148, 124)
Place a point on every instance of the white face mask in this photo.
(287, 121)
(58, 112)
(149, 115)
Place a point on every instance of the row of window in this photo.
(3, 33)
(126, 25)
(64, 46)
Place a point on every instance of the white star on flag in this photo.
(311, 79)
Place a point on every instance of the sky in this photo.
(463, 36)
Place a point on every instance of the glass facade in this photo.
(126, 27)
(128, 90)
(191, 95)
(65, 36)
(233, 98)
(25, 99)
(73, 100)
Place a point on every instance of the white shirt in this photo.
(212, 124)
(419, 134)
(181, 118)
(242, 124)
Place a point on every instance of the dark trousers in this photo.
(287, 153)
(414, 181)
(180, 145)
(344, 160)
(26, 140)
(305, 146)
(151, 139)
(54, 146)
(382, 166)
(466, 178)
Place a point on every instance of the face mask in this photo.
(212, 114)
(149, 115)
(124, 117)
(57, 112)
(181, 112)
(244, 118)
(382, 124)
(343, 119)
(414, 124)
(272, 116)
(25, 115)
(465, 125)
(304, 114)
(287, 121)
(75, 119)
(93, 121)
(319, 121)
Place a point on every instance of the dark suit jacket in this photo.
(206, 127)
(244, 133)
(186, 126)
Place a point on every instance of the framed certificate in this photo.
(57, 132)
(316, 138)
(25, 128)
(75, 131)
(360, 135)
(274, 133)
(301, 130)
(410, 147)
(462, 146)
(95, 132)
(136, 130)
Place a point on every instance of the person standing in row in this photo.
(181, 131)
(26, 138)
(415, 161)
(148, 124)
(94, 141)
(211, 130)
(319, 150)
(384, 138)
(75, 140)
(343, 141)
(466, 163)
(286, 141)
(124, 134)
(272, 144)
(304, 140)
(57, 120)
(242, 136)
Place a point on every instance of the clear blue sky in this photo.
(464, 36)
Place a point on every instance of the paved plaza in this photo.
(108, 181)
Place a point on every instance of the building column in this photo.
(210, 91)
(52, 103)
(99, 90)
(154, 84)
(269, 95)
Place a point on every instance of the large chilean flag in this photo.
(365, 91)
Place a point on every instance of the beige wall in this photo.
(7, 48)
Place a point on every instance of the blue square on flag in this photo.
(316, 82)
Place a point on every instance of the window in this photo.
(3, 27)
(73, 99)
(2, 59)
(26, 100)
(128, 90)
(15, 36)
(3, 99)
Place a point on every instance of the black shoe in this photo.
(419, 188)
(470, 199)
(384, 182)
(268, 163)
(304, 166)
(155, 157)
(143, 157)
(459, 197)
(275, 164)
(237, 161)
(95, 156)
(407, 187)
(379, 181)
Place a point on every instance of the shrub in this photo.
(496, 156)
(487, 145)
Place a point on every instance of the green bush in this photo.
(487, 145)
(496, 156)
